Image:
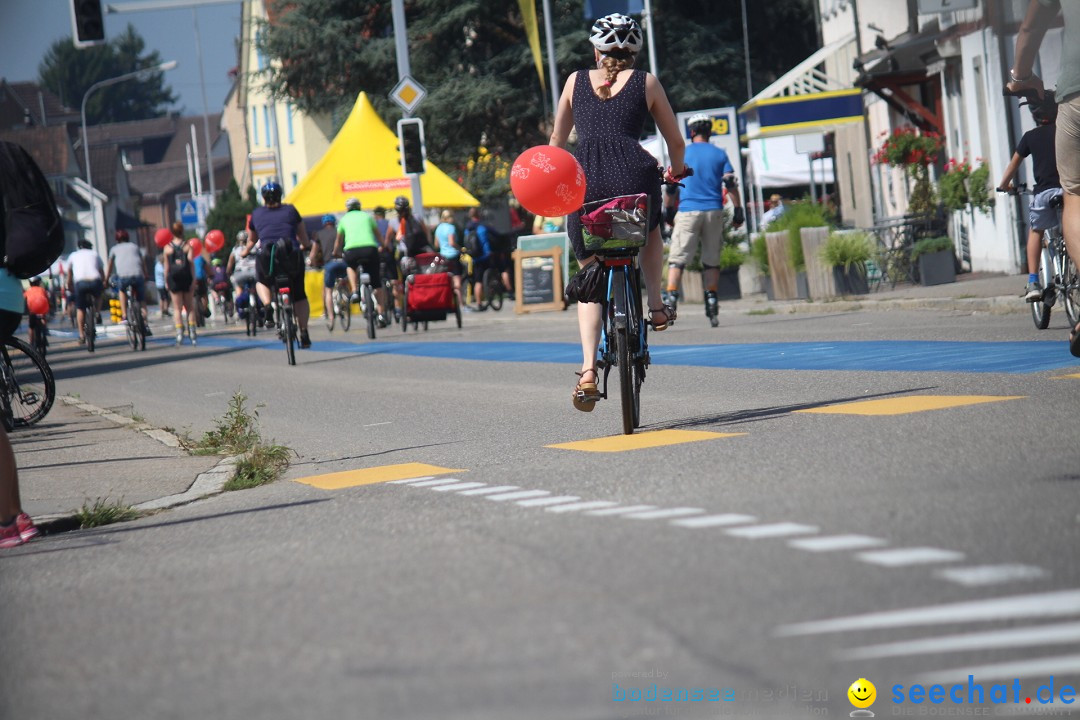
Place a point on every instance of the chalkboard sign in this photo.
(538, 280)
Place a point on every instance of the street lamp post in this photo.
(161, 67)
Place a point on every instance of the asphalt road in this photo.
(937, 539)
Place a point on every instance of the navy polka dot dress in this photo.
(614, 161)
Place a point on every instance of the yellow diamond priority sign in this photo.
(408, 94)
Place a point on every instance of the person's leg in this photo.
(1070, 226)
(711, 276)
(652, 265)
(589, 326)
(10, 503)
(354, 279)
(123, 303)
(177, 311)
(302, 309)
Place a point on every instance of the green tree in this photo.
(230, 215)
(473, 58)
(69, 73)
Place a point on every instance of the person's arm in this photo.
(108, 269)
(666, 123)
(230, 264)
(301, 233)
(253, 237)
(1028, 39)
(1010, 172)
(564, 114)
(339, 244)
(738, 215)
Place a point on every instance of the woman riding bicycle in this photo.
(608, 106)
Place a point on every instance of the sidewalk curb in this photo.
(1006, 305)
(211, 482)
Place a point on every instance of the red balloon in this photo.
(548, 181)
(37, 303)
(196, 246)
(163, 237)
(215, 240)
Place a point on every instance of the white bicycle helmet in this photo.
(699, 122)
(616, 31)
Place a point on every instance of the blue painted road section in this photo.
(880, 356)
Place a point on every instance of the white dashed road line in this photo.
(588, 505)
(755, 532)
(519, 495)
(714, 521)
(1061, 603)
(833, 543)
(900, 557)
(620, 510)
(439, 481)
(979, 575)
(408, 481)
(540, 502)
(664, 514)
(459, 486)
(1037, 635)
(489, 490)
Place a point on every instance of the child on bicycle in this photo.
(1039, 144)
(37, 300)
(220, 286)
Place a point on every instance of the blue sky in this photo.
(28, 27)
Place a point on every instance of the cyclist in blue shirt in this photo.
(700, 216)
(202, 288)
(479, 262)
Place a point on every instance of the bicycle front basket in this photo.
(616, 223)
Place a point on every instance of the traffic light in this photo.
(411, 144)
(87, 22)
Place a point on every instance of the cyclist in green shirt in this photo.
(358, 236)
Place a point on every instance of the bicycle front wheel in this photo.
(1071, 288)
(31, 389)
(290, 333)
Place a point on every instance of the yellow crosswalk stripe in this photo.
(370, 476)
(908, 404)
(637, 441)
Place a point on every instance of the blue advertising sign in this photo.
(599, 8)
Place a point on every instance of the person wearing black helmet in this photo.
(409, 236)
(609, 104)
(1039, 143)
(280, 225)
(701, 214)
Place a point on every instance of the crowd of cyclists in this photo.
(192, 282)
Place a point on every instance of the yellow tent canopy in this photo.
(362, 162)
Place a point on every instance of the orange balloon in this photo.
(196, 245)
(215, 240)
(548, 181)
(163, 237)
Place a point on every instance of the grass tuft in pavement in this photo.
(237, 433)
(104, 512)
(766, 311)
(263, 464)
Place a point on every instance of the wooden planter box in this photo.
(728, 288)
(693, 286)
(937, 268)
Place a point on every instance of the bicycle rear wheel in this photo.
(626, 379)
(369, 311)
(290, 332)
(493, 289)
(31, 390)
(1040, 309)
(88, 323)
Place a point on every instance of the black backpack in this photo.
(180, 265)
(473, 245)
(32, 232)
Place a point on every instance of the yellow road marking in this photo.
(637, 441)
(909, 404)
(1075, 376)
(370, 476)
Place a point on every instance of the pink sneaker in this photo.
(27, 530)
(9, 536)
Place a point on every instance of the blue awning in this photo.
(797, 114)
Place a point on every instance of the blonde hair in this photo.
(612, 63)
(447, 216)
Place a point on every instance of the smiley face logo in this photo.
(862, 693)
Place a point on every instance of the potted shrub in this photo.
(731, 259)
(759, 252)
(848, 253)
(936, 259)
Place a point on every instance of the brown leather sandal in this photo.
(669, 317)
(586, 394)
